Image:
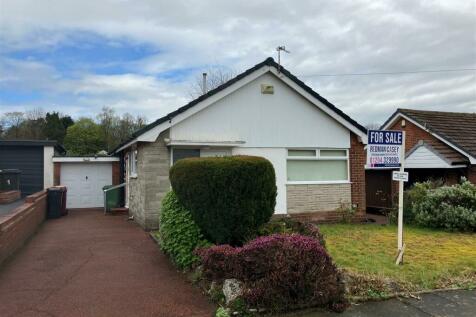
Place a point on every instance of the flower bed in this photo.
(279, 272)
(256, 264)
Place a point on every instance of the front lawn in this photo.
(433, 259)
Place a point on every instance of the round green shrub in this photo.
(229, 197)
(412, 196)
(448, 207)
(179, 235)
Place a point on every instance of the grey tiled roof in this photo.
(457, 128)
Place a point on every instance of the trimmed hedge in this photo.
(178, 233)
(280, 272)
(229, 197)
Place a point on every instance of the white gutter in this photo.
(85, 159)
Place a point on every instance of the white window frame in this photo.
(133, 163)
(318, 157)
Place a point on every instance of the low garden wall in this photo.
(17, 226)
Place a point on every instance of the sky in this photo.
(143, 57)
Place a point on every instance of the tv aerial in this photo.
(279, 49)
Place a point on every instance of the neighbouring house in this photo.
(439, 146)
(34, 159)
(316, 149)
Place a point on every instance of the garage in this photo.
(84, 177)
(33, 159)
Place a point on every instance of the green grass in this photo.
(433, 259)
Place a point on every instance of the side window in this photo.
(179, 154)
(133, 162)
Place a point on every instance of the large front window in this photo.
(318, 165)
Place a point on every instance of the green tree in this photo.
(67, 121)
(54, 129)
(84, 138)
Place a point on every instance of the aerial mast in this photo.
(279, 49)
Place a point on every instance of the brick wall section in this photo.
(116, 173)
(10, 196)
(472, 174)
(17, 226)
(56, 173)
(413, 134)
(358, 158)
(151, 184)
(316, 198)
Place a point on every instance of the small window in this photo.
(301, 152)
(133, 163)
(333, 153)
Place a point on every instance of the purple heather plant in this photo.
(280, 272)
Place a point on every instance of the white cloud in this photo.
(324, 37)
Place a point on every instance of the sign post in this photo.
(400, 204)
(386, 149)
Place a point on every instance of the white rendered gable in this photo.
(424, 157)
(282, 119)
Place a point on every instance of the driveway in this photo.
(88, 264)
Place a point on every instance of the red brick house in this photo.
(439, 146)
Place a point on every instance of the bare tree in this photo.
(11, 122)
(215, 77)
(34, 125)
(108, 122)
(373, 126)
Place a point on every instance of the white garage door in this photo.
(84, 182)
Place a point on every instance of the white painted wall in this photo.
(283, 119)
(277, 156)
(48, 153)
(423, 157)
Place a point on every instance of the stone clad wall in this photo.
(151, 184)
(310, 198)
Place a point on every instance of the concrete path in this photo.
(88, 264)
(441, 304)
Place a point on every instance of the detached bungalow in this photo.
(316, 149)
(439, 146)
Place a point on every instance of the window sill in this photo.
(316, 182)
(133, 176)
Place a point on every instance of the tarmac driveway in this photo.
(88, 264)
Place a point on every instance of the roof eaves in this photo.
(29, 142)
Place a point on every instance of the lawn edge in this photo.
(361, 299)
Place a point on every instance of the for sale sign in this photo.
(384, 148)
